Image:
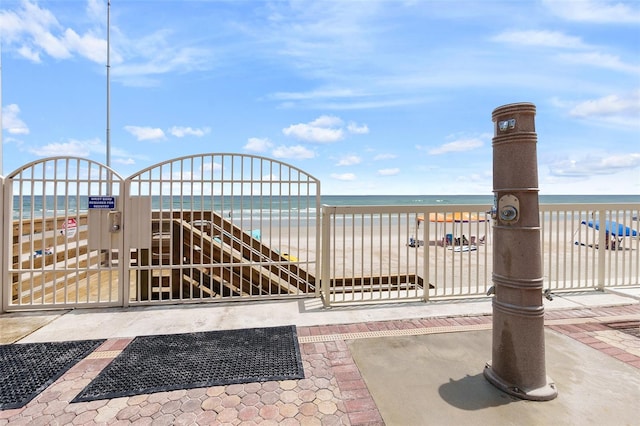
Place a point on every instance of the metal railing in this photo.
(221, 227)
(403, 253)
(50, 257)
(217, 227)
(590, 246)
(199, 228)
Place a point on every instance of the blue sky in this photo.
(371, 97)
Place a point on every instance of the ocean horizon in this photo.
(47, 206)
(393, 200)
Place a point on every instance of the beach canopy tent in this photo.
(455, 217)
(612, 228)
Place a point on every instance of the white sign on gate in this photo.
(69, 227)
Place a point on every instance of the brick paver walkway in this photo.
(333, 392)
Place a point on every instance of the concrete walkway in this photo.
(404, 364)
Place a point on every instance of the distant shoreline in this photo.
(47, 206)
(443, 199)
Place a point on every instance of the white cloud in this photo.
(595, 165)
(600, 60)
(316, 97)
(349, 160)
(29, 53)
(358, 130)
(327, 121)
(208, 167)
(315, 94)
(34, 32)
(598, 11)
(74, 148)
(96, 9)
(324, 129)
(87, 45)
(11, 122)
(270, 176)
(125, 157)
(258, 145)
(145, 133)
(382, 157)
(460, 145)
(343, 176)
(124, 161)
(388, 172)
(297, 152)
(181, 132)
(554, 39)
(621, 110)
(31, 30)
(154, 55)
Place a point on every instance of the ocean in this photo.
(48, 206)
(410, 200)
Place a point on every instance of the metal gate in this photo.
(219, 227)
(61, 227)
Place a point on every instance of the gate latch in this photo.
(115, 221)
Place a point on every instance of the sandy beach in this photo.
(390, 256)
(360, 248)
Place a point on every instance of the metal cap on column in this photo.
(518, 354)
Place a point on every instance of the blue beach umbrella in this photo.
(613, 228)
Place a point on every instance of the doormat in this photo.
(26, 369)
(183, 361)
(631, 327)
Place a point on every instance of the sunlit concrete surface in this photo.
(395, 364)
(437, 379)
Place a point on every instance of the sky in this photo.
(370, 97)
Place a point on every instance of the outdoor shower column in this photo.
(518, 355)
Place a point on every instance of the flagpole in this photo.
(108, 140)
(1, 130)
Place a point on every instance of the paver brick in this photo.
(269, 398)
(269, 412)
(327, 407)
(288, 410)
(333, 391)
(308, 408)
(185, 419)
(250, 400)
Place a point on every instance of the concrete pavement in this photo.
(400, 364)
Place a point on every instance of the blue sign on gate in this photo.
(102, 202)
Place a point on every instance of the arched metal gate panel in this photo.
(216, 227)
(61, 231)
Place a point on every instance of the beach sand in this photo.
(373, 257)
(365, 250)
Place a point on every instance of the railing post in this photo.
(426, 232)
(603, 243)
(325, 262)
(518, 355)
(4, 232)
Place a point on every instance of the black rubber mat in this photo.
(184, 361)
(27, 369)
(629, 327)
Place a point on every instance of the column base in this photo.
(544, 393)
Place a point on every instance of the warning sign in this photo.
(69, 227)
(102, 202)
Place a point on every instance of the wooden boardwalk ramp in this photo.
(211, 257)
